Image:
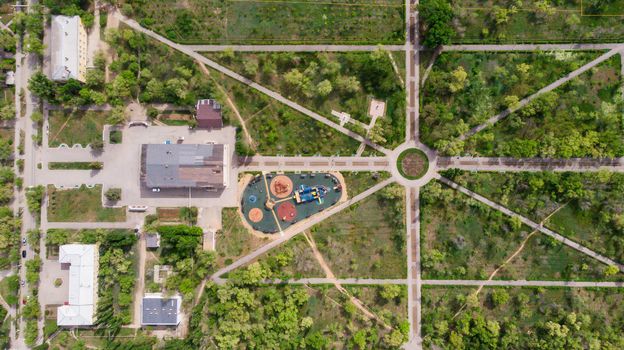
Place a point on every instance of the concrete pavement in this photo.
(268, 163)
(294, 48)
(524, 283)
(529, 47)
(508, 164)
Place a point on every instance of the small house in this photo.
(208, 114)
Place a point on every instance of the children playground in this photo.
(272, 202)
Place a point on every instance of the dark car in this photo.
(23, 254)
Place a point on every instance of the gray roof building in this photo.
(184, 166)
(157, 310)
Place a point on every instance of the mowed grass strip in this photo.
(75, 127)
(81, 205)
(257, 22)
(75, 165)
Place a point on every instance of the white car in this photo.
(155, 189)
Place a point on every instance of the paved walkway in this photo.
(271, 164)
(414, 282)
(468, 283)
(298, 228)
(525, 101)
(529, 47)
(184, 49)
(504, 164)
(523, 283)
(531, 223)
(293, 48)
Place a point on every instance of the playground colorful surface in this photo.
(271, 202)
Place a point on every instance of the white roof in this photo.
(65, 49)
(82, 279)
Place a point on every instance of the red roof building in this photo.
(208, 114)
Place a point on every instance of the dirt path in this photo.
(396, 68)
(513, 256)
(230, 103)
(330, 274)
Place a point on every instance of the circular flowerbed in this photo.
(413, 164)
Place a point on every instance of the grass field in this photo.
(234, 240)
(590, 203)
(465, 240)
(519, 318)
(9, 289)
(367, 239)
(564, 21)
(81, 205)
(579, 119)
(77, 127)
(278, 129)
(258, 22)
(466, 88)
(353, 80)
(358, 182)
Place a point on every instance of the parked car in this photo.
(23, 254)
(155, 189)
(23, 282)
(24, 241)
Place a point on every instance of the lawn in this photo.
(523, 318)
(466, 88)
(591, 203)
(276, 128)
(234, 240)
(464, 239)
(325, 82)
(579, 119)
(475, 22)
(292, 260)
(9, 289)
(75, 165)
(81, 205)
(366, 240)
(75, 127)
(358, 182)
(115, 136)
(262, 22)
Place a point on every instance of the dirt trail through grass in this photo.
(329, 274)
(520, 248)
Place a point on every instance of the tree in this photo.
(437, 16)
(499, 297)
(113, 194)
(512, 102)
(43, 87)
(611, 270)
(458, 79)
(7, 112)
(117, 116)
(390, 292)
(324, 88)
(348, 85)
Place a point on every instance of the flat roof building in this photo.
(184, 166)
(208, 114)
(157, 310)
(81, 260)
(68, 49)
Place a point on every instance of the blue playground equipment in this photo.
(307, 194)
